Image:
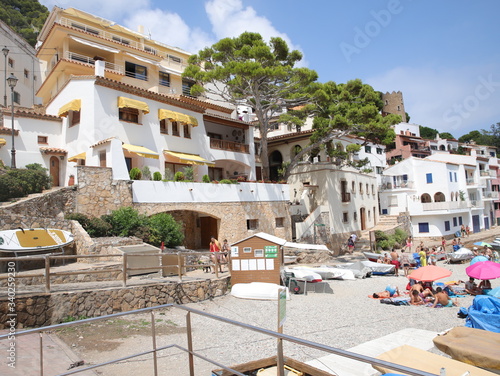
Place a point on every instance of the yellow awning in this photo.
(132, 103)
(177, 116)
(189, 158)
(2, 141)
(141, 151)
(75, 158)
(74, 105)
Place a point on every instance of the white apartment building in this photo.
(440, 193)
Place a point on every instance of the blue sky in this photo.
(444, 56)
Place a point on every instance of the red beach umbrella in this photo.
(484, 270)
(429, 273)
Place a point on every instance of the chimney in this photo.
(99, 68)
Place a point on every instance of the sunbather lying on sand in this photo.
(386, 293)
(443, 299)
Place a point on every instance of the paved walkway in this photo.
(57, 356)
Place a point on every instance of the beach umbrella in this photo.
(482, 244)
(429, 273)
(484, 270)
(478, 259)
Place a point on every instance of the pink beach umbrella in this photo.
(484, 270)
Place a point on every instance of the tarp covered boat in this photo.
(33, 240)
(378, 268)
(463, 254)
(484, 313)
(472, 346)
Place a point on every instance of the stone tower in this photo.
(393, 104)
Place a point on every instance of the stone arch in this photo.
(296, 149)
(442, 148)
(439, 197)
(425, 198)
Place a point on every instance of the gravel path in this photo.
(342, 319)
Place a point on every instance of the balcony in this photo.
(445, 205)
(88, 60)
(490, 195)
(405, 184)
(229, 146)
(487, 174)
(471, 181)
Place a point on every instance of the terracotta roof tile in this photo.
(50, 150)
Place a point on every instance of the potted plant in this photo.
(71, 180)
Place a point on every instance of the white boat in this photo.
(375, 256)
(258, 291)
(289, 259)
(378, 268)
(463, 254)
(305, 273)
(327, 272)
(33, 240)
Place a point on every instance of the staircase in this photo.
(386, 222)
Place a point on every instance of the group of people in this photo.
(472, 288)
(219, 253)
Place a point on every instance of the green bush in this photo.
(205, 179)
(400, 236)
(179, 176)
(22, 182)
(157, 176)
(146, 173)
(164, 228)
(81, 218)
(125, 221)
(226, 181)
(98, 227)
(135, 174)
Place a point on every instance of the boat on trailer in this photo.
(21, 240)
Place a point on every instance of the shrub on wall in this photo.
(205, 179)
(179, 176)
(135, 174)
(24, 181)
(157, 176)
(125, 221)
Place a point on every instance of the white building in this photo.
(440, 193)
(18, 58)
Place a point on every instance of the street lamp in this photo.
(5, 51)
(12, 80)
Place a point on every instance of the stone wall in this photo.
(98, 193)
(47, 309)
(54, 204)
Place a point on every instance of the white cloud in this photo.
(169, 28)
(229, 18)
(449, 100)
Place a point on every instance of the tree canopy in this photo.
(338, 110)
(26, 17)
(428, 133)
(246, 70)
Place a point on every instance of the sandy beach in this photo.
(342, 319)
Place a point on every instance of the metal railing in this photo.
(190, 344)
(229, 145)
(123, 267)
(88, 60)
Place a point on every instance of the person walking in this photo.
(405, 261)
(350, 245)
(216, 254)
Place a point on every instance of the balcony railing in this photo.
(398, 185)
(487, 174)
(169, 61)
(490, 194)
(229, 145)
(88, 60)
(471, 181)
(445, 205)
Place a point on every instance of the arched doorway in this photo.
(54, 170)
(197, 227)
(275, 162)
(439, 197)
(425, 198)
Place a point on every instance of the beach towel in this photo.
(400, 301)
